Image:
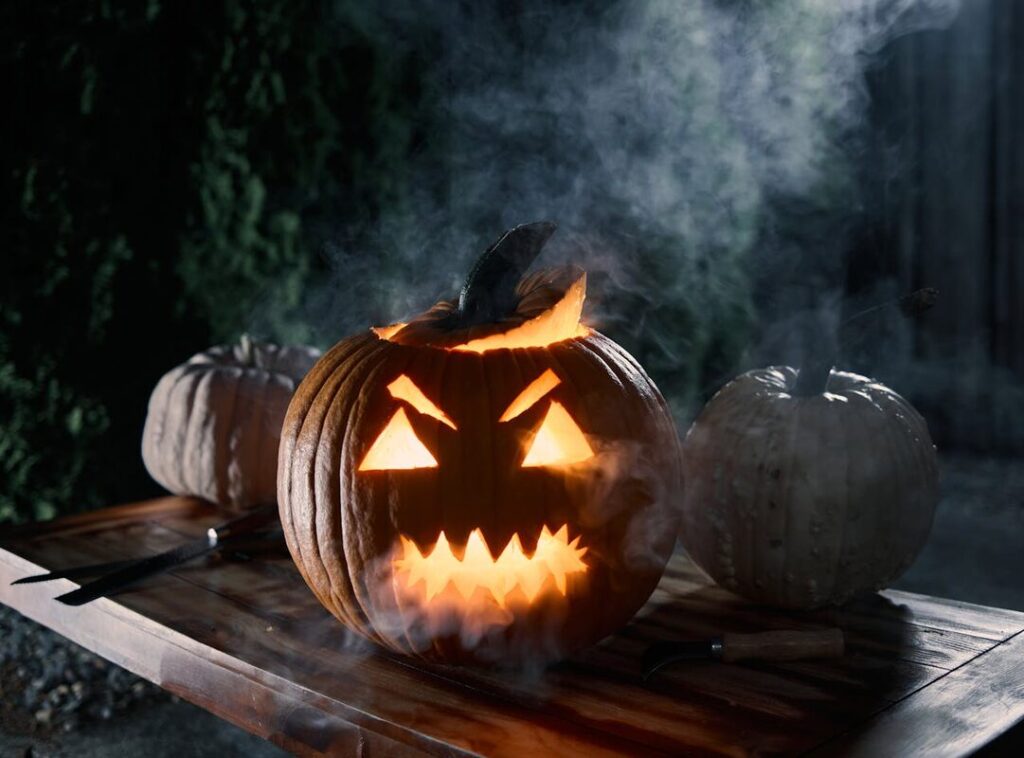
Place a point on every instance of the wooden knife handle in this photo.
(783, 646)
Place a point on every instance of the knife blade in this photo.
(214, 538)
(238, 547)
(78, 572)
(788, 645)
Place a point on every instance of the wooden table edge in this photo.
(340, 718)
(81, 625)
(863, 739)
(105, 517)
(399, 738)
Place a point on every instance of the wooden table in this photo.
(247, 641)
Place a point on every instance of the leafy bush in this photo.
(165, 165)
(181, 172)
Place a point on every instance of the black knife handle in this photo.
(247, 522)
(121, 579)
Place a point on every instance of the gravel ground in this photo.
(49, 685)
(161, 729)
(58, 699)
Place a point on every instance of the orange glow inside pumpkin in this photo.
(389, 331)
(529, 397)
(558, 442)
(397, 447)
(403, 388)
(500, 579)
(559, 322)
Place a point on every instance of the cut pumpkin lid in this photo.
(548, 310)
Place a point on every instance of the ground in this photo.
(57, 699)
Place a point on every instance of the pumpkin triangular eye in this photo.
(397, 447)
(532, 395)
(558, 442)
(403, 388)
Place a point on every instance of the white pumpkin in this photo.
(805, 501)
(214, 423)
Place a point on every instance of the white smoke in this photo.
(664, 137)
(660, 135)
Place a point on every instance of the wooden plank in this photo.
(245, 698)
(310, 649)
(957, 715)
(298, 667)
(158, 509)
(895, 624)
(248, 641)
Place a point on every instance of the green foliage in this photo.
(42, 415)
(250, 100)
(176, 172)
(166, 164)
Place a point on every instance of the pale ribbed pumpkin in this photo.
(804, 500)
(214, 423)
(491, 482)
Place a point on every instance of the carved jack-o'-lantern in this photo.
(489, 482)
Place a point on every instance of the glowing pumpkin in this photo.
(492, 481)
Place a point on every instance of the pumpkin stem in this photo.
(489, 293)
(246, 353)
(816, 371)
(813, 378)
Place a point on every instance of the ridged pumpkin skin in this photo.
(342, 525)
(802, 502)
(214, 423)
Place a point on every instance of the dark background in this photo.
(737, 177)
(178, 173)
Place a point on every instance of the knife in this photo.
(77, 572)
(762, 646)
(238, 547)
(215, 537)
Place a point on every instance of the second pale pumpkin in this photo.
(804, 500)
(214, 422)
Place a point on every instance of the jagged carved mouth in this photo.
(474, 573)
